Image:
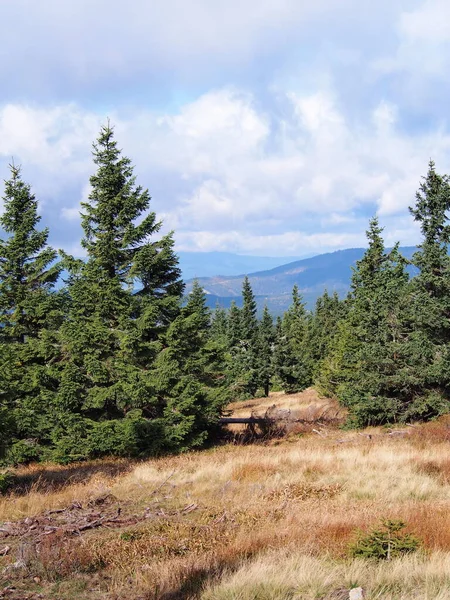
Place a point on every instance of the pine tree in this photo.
(265, 346)
(191, 376)
(245, 371)
(249, 321)
(292, 360)
(242, 345)
(27, 274)
(430, 300)
(322, 329)
(219, 325)
(123, 300)
(371, 358)
(234, 327)
(30, 312)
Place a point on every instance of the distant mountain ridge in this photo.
(211, 264)
(331, 271)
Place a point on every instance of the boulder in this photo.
(356, 594)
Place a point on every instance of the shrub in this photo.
(22, 452)
(385, 542)
(7, 480)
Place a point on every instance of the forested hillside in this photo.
(226, 264)
(273, 287)
(105, 356)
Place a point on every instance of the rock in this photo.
(356, 594)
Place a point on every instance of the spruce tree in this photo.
(292, 361)
(234, 327)
(245, 367)
(322, 328)
(123, 299)
(191, 376)
(429, 308)
(219, 325)
(27, 272)
(371, 358)
(242, 342)
(249, 321)
(30, 313)
(265, 349)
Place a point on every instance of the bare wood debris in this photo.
(75, 519)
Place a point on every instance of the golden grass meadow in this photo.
(265, 521)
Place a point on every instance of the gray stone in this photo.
(356, 594)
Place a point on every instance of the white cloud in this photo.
(71, 214)
(283, 244)
(218, 128)
(52, 145)
(429, 22)
(230, 175)
(95, 40)
(421, 59)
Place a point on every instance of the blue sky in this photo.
(269, 127)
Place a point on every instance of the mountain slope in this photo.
(331, 271)
(208, 264)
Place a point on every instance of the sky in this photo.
(264, 127)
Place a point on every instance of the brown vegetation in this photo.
(266, 521)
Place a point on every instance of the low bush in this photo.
(7, 480)
(385, 542)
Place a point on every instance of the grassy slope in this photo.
(239, 522)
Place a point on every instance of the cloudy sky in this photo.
(270, 127)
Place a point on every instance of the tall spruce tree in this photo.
(370, 360)
(430, 300)
(191, 376)
(219, 324)
(242, 338)
(27, 272)
(249, 321)
(322, 328)
(292, 361)
(30, 313)
(265, 351)
(247, 358)
(123, 300)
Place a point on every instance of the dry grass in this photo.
(40, 488)
(300, 412)
(269, 521)
(301, 400)
(291, 575)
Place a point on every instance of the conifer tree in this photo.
(329, 310)
(249, 321)
(247, 359)
(234, 327)
(430, 300)
(219, 325)
(265, 348)
(123, 300)
(27, 274)
(292, 360)
(191, 376)
(242, 334)
(371, 358)
(30, 312)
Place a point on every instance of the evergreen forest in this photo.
(107, 356)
